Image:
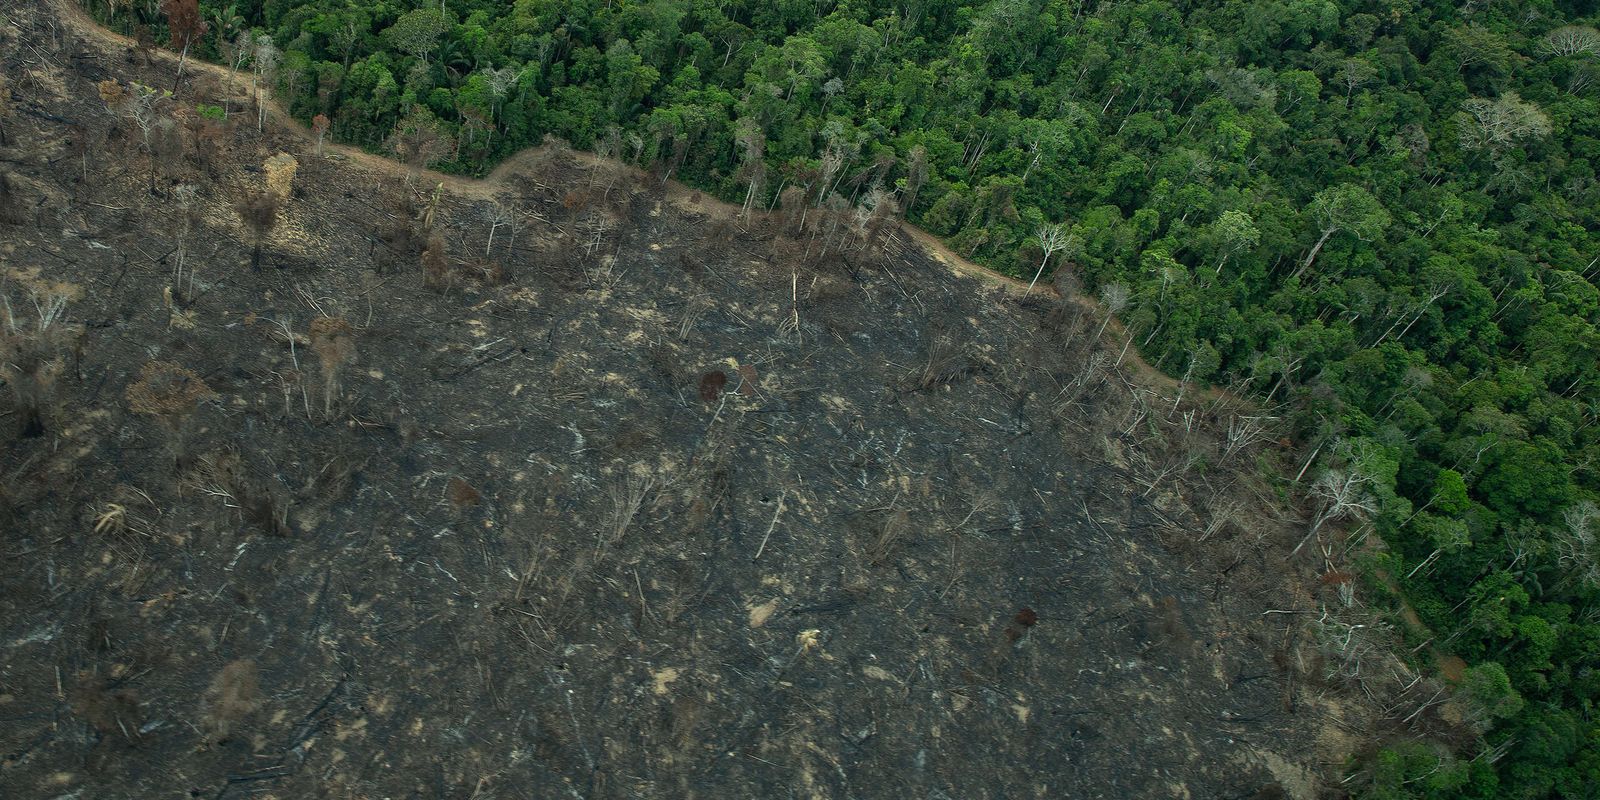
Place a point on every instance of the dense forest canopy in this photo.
(1377, 215)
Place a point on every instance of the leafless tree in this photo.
(265, 66)
(832, 164)
(1499, 124)
(1355, 73)
(141, 104)
(636, 143)
(1052, 237)
(1341, 493)
(500, 82)
(186, 197)
(239, 51)
(1571, 40)
(1244, 432)
(1113, 299)
(514, 223)
(873, 217)
(1577, 543)
(499, 215)
(1183, 382)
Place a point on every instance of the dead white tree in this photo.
(1571, 40)
(1244, 432)
(1577, 544)
(1499, 124)
(832, 164)
(1183, 382)
(1355, 73)
(141, 104)
(264, 68)
(1352, 646)
(185, 196)
(500, 82)
(514, 225)
(1343, 493)
(240, 51)
(1436, 293)
(1052, 237)
(1113, 299)
(1222, 511)
(500, 215)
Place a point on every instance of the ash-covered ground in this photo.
(625, 497)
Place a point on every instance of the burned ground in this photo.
(625, 497)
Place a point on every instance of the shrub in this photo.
(334, 342)
(171, 393)
(33, 347)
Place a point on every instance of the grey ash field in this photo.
(648, 501)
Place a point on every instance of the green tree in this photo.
(416, 33)
(1233, 233)
(1344, 209)
(1488, 689)
(630, 79)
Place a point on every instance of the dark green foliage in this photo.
(1385, 214)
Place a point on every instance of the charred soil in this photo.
(343, 482)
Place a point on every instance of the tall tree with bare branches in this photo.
(1052, 237)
